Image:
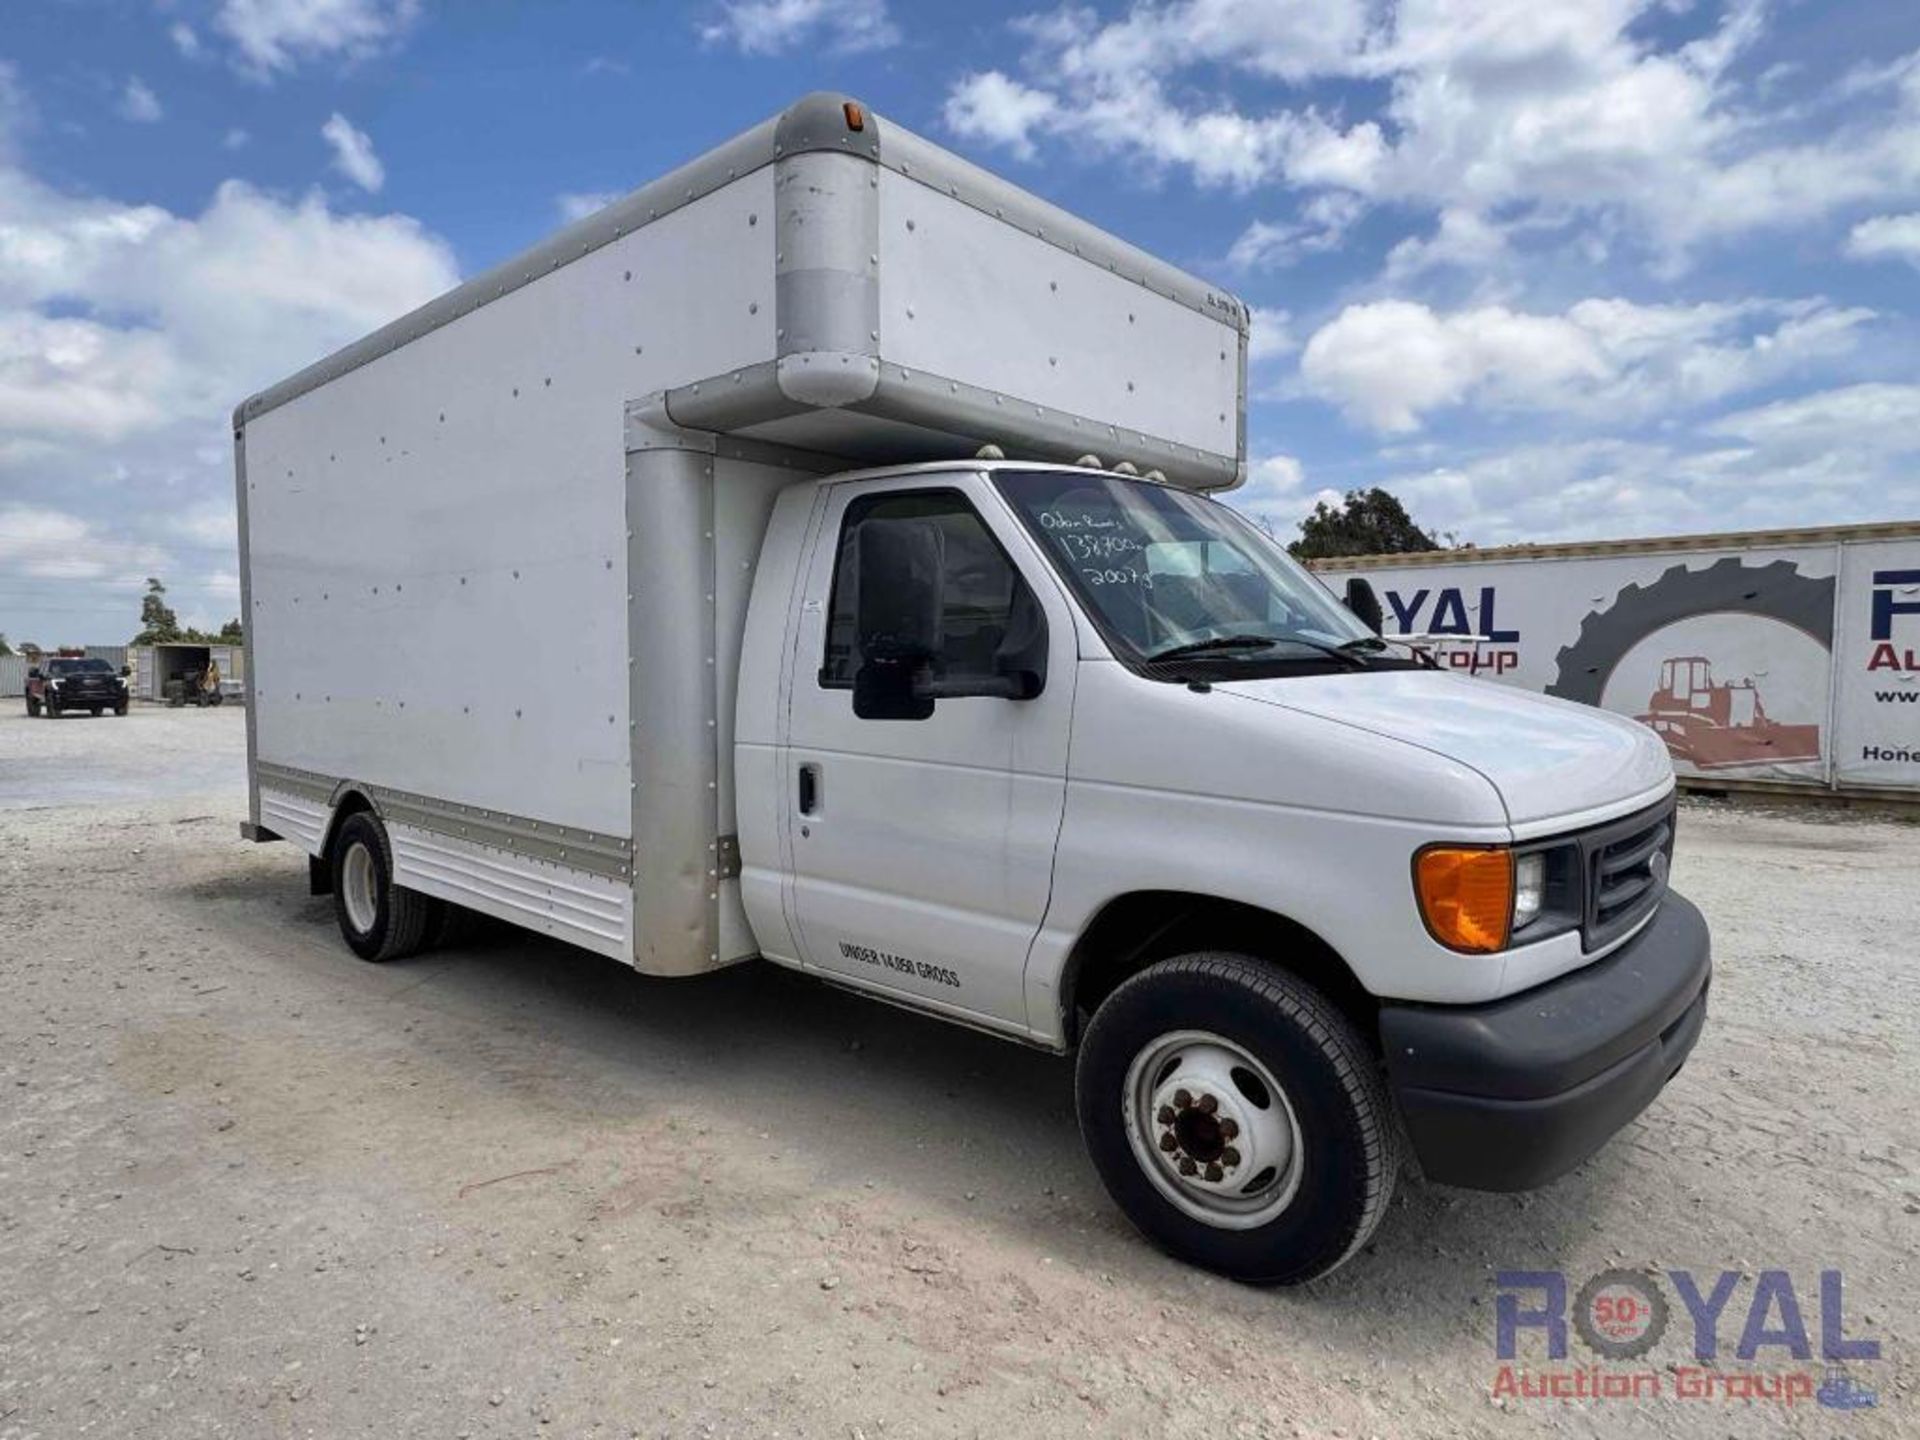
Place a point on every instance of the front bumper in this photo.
(1510, 1095)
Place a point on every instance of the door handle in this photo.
(809, 789)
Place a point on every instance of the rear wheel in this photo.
(94, 710)
(380, 920)
(1237, 1118)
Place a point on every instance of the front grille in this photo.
(1626, 869)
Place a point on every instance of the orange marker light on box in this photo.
(856, 117)
(1466, 895)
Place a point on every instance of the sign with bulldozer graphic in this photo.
(1783, 657)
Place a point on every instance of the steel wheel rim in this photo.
(1195, 1117)
(359, 887)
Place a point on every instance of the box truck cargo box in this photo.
(847, 507)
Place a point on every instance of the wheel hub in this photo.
(1213, 1129)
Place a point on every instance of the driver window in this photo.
(988, 610)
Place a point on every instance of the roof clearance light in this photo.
(856, 117)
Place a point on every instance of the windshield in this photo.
(1161, 570)
(79, 667)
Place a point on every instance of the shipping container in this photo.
(1781, 659)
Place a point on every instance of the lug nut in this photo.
(1182, 1099)
(1229, 1128)
(1165, 1117)
(1214, 1172)
(1187, 1167)
(1209, 1104)
(1167, 1142)
(1229, 1156)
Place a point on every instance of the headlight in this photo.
(1483, 898)
(1529, 888)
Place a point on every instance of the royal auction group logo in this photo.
(1622, 1316)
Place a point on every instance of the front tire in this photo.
(379, 920)
(1237, 1118)
(33, 708)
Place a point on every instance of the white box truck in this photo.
(1013, 725)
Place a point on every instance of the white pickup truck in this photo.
(1019, 728)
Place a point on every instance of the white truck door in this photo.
(922, 850)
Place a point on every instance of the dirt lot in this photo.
(252, 1186)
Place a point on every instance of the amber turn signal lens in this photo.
(1466, 896)
(856, 117)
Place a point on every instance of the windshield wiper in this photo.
(1218, 642)
(1362, 645)
(1351, 658)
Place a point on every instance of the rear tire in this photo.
(1279, 1161)
(379, 920)
(94, 710)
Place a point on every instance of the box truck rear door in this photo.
(923, 848)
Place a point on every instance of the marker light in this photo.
(856, 117)
(1466, 895)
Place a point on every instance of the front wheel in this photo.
(378, 919)
(1237, 1118)
(33, 708)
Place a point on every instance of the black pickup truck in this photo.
(74, 683)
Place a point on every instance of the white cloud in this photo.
(577, 205)
(353, 154)
(1389, 363)
(989, 106)
(1836, 456)
(128, 333)
(1886, 237)
(1277, 495)
(1321, 226)
(1877, 416)
(1270, 336)
(41, 543)
(138, 103)
(1544, 110)
(770, 27)
(275, 36)
(235, 139)
(185, 40)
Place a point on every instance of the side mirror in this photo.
(1364, 603)
(125, 671)
(897, 608)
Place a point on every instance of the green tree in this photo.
(5, 648)
(158, 623)
(231, 633)
(1367, 522)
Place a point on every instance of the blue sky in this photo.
(1546, 268)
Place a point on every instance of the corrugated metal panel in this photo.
(13, 675)
(114, 655)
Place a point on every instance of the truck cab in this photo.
(1084, 759)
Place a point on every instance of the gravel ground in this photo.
(252, 1186)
